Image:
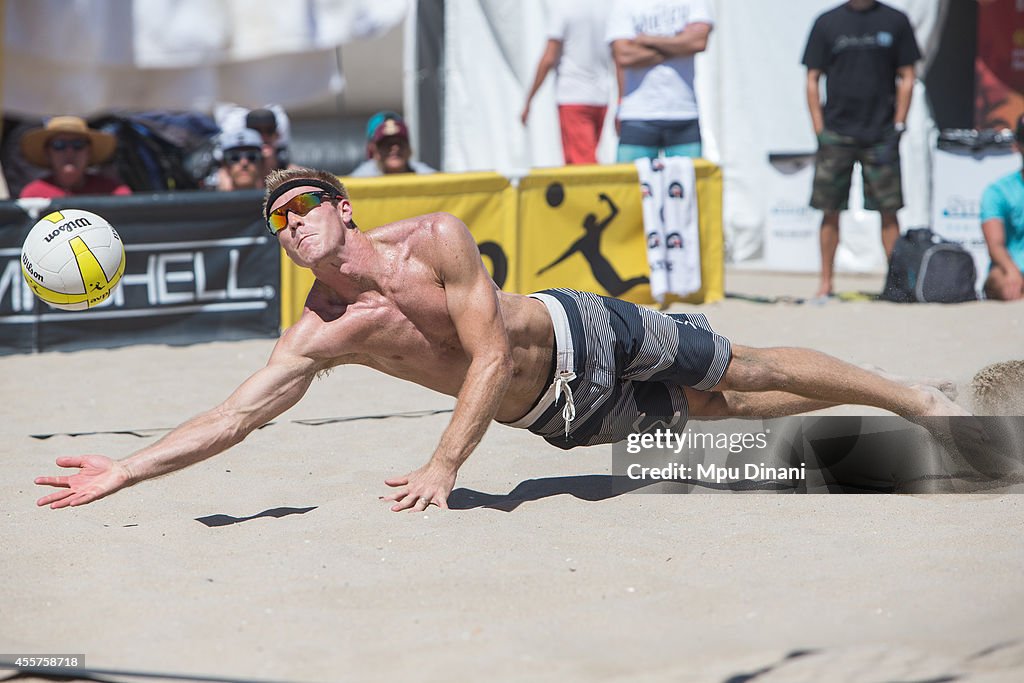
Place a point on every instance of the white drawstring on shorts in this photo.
(562, 380)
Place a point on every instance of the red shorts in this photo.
(581, 129)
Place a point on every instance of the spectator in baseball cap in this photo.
(388, 148)
(241, 157)
(272, 123)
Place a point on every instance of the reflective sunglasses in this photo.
(61, 145)
(300, 205)
(235, 157)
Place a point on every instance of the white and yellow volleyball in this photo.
(72, 259)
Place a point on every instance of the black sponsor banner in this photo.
(826, 454)
(16, 299)
(200, 266)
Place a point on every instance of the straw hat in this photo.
(33, 143)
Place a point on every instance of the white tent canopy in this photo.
(89, 56)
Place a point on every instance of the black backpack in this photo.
(156, 151)
(926, 268)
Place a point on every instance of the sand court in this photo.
(277, 561)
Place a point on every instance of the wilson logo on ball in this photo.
(66, 227)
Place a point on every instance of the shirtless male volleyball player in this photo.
(413, 300)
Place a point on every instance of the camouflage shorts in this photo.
(833, 170)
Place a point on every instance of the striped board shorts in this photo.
(620, 368)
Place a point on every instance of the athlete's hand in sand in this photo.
(97, 476)
(428, 485)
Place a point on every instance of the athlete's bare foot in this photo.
(937, 404)
(824, 291)
(946, 386)
(959, 433)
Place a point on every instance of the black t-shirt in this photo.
(859, 53)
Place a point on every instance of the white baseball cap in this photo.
(239, 137)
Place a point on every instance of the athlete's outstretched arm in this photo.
(261, 398)
(472, 301)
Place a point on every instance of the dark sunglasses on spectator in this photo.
(300, 205)
(235, 157)
(61, 145)
(385, 143)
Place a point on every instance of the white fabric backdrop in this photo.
(750, 87)
(89, 56)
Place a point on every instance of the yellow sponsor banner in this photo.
(582, 227)
(486, 203)
(575, 226)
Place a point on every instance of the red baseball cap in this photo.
(390, 128)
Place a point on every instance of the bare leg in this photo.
(769, 404)
(818, 376)
(759, 404)
(946, 386)
(890, 232)
(829, 242)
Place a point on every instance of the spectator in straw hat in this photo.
(67, 146)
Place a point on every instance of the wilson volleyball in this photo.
(72, 259)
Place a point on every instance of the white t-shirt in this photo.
(664, 91)
(584, 71)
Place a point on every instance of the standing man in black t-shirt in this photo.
(866, 50)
